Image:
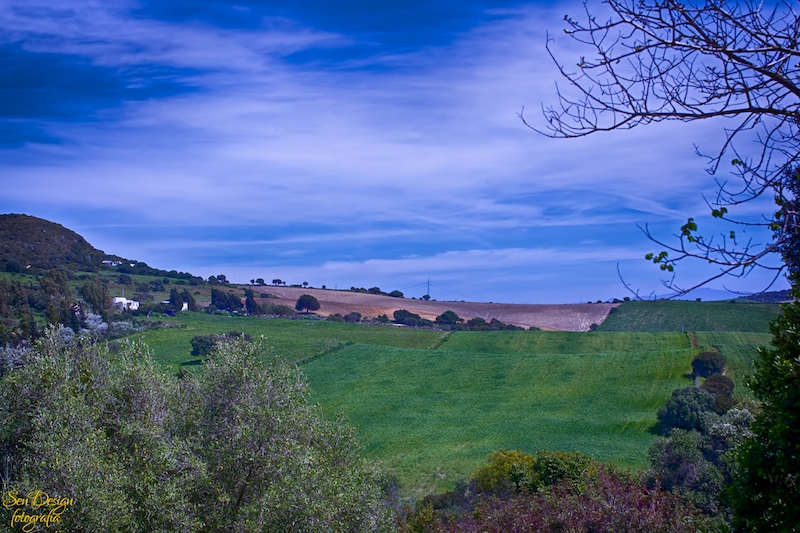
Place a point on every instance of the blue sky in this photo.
(339, 143)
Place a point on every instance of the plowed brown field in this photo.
(562, 317)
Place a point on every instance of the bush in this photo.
(352, 318)
(686, 409)
(719, 384)
(505, 472)
(611, 502)
(336, 317)
(277, 309)
(401, 316)
(508, 472)
(680, 466)
(448, 318)
(708, 363)
(204, 344)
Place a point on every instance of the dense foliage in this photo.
(572, 493)
(236, 448)
(766, 484)
(707, 364)
(685, 409)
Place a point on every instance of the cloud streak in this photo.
(356, 165)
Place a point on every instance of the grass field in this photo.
(565, 342)
(291, 339)
(432, 416)
(431, 406)
(667, 315)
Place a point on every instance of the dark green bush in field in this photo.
(719, 384)
(722, 389)
(508, 472)
(236, 448)
(708, 363)
(686, 408)
(448, 318)
(204, 344)
(352, 318)
(401, 316)
(505, 472)
(680, 465)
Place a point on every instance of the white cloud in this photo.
(423, 140)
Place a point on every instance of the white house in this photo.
(124, 303)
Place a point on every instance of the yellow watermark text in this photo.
(34, 508)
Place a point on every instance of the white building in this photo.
(124, 303)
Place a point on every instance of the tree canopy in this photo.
(307, 302)
(236, 448)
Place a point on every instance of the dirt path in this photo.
(693, 339)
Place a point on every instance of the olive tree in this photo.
(236, 447)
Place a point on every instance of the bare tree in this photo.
(657, 60)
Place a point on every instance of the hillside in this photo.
(562, 317)
(675, 315)
(27, 240)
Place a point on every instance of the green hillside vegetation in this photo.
(543, 342)
(27, 240)
(431, 405)
(433, 416)
(668, 315)
(293, 340)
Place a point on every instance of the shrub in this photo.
(335, 317)
(718, 384)
(353, 317)
(277, 309)
(680, 466)
(401, 316)
(686, 408)
(505, 472)
(707, 364)
(610, 503)
(204, 344)
(448, 318)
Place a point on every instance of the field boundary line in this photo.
(444, 338)
(332, 350)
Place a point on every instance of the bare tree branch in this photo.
(658, 60)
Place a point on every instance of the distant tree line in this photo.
(451, 321)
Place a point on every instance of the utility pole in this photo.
(429, 287)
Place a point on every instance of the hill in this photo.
(562, 317)
(673, 315)
(27, 240)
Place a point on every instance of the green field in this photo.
(432, 416)
(293, 340)
(430, 405)
(667, 315)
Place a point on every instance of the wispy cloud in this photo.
(360, 161)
